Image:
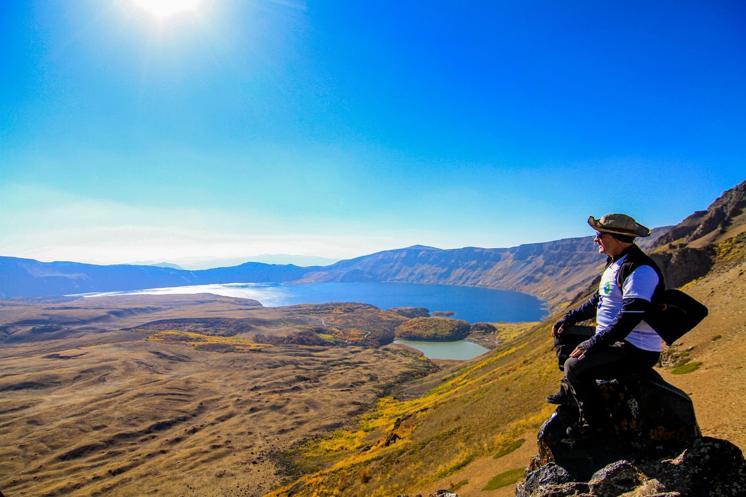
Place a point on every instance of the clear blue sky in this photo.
(341, 128)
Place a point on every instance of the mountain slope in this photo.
(529, 268)
(554, 271)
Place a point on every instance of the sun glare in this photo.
(163, 9)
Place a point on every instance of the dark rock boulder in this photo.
(682, 265)
(709, 467)
(615, 479)
(651, 447)
(550, 480)
(647, 418)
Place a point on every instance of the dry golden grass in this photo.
(127, 414)
(206, 342)
(407, 446)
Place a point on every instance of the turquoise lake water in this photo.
(460, 350)
(467, 303)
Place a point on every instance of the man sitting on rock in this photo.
(622, 341)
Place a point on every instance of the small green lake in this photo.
(459, 350)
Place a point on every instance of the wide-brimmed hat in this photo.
(620, 224)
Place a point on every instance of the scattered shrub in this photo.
(686, 368)
(504, 479)
(509, 447)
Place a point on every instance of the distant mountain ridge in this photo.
(532, 268)
(30, 278)
(557, 271)
(554, 269)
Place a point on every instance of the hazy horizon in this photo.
(129, 132)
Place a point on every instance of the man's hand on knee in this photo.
(580, 350)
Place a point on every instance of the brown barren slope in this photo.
(130, 413)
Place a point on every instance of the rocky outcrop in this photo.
(651, 446)
(709, 467)
(647, 418)
(718, 217)
(688, 247)
(680, 266)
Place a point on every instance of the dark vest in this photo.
(636, 258)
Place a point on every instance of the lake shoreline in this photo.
(472, 304)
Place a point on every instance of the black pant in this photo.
(569, 339)
(619, 359)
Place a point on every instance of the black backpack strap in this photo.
(625, 270)
(636, 258)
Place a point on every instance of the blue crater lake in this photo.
(468, 303)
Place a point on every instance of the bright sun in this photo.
(162, 9)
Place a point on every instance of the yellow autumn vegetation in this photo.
(236, 344)
(400, 446)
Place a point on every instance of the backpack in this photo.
(674, 313)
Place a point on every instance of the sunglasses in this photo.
(599, 235)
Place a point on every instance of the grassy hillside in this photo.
(482, 411)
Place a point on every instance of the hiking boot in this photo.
(559, 398)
